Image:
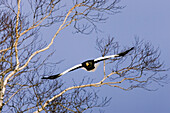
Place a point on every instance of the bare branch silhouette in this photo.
(23, 57)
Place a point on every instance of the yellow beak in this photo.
(87, 64)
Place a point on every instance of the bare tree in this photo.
(21, 64)
(143, 69)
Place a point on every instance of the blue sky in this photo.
(147, 19)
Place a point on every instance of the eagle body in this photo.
(89, 65)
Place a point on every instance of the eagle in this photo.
(89, 65)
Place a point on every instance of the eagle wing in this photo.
(66, 71)
(112, 56)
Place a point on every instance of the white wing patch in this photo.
(105, 57)
(95, 65)
(66, 71)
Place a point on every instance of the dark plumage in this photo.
(89, 65)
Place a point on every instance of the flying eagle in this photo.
(89, 65)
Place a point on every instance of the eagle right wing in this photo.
(112, 56)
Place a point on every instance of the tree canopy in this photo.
(23, 60)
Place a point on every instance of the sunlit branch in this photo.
(66, 107)
(17, 91)
(36, 24)
(17, 35)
